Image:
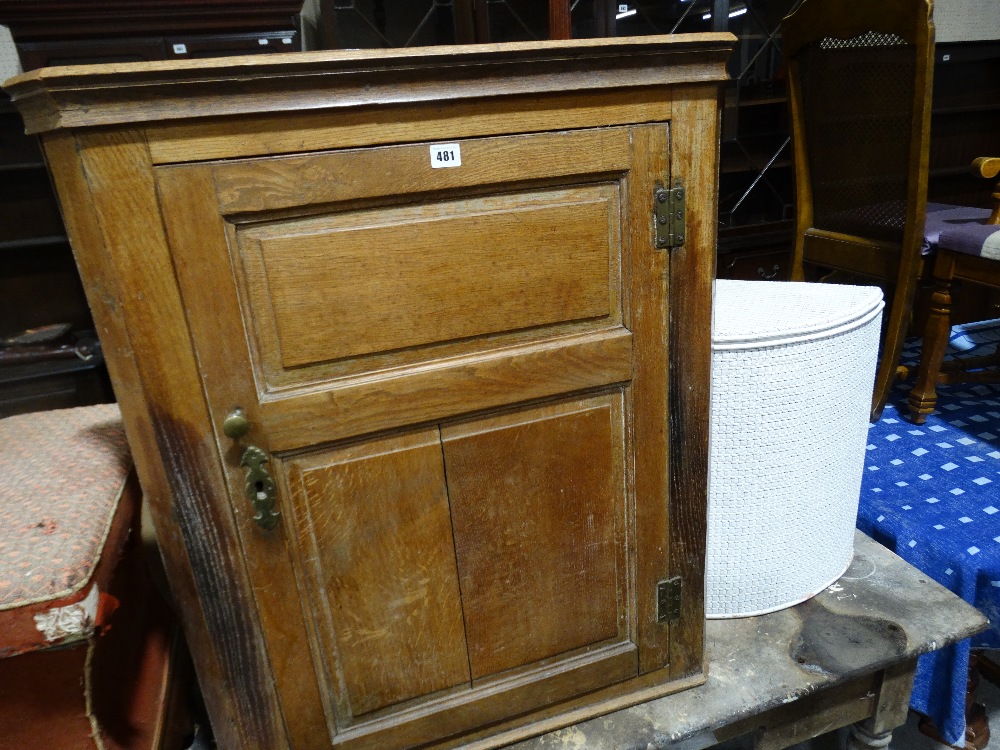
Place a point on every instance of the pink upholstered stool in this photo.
(85, 641)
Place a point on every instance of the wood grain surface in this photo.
(542, 490)
(283, 133)
(380, 541)
(129, 93)
(647, 318)
(694, 134)
(403, 278)
(157, 385)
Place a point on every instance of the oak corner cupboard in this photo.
(413, 352)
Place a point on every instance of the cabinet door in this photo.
(457, 376)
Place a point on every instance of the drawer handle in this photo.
(260, 488)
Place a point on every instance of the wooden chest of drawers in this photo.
(413, 351)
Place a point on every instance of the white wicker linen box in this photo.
(793, 367)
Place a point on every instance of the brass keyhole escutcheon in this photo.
(260, 489)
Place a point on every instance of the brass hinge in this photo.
(668, 209)
(668, 600)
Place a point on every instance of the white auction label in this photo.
(446, 155)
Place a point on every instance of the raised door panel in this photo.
(538, 509)
(361, 261)
(464, 573)
(427, 275)
(374, 522)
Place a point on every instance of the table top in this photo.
(881, 612)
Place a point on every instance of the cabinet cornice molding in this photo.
(129, 93)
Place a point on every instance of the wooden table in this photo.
(845, 657)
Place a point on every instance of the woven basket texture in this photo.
(793, 367)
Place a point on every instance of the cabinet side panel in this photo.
(694, 141)
(648, 312)
(381, 546)
(106, 191)
(105, 301)
(532, 492)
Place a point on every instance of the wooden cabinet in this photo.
(417, 395)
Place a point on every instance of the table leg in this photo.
(860, 739)
(874, 704)
(893, 703)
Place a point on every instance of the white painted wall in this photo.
(10, 64)
(966, 20)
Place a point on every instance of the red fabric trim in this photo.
(18, 632)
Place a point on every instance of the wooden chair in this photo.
(859, 77)
(966, 243)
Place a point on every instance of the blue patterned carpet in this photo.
(932, 494)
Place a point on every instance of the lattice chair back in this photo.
(857, 99)
(859, 89)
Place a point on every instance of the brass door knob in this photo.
(236, 425)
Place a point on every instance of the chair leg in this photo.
(888, 371)
(923, 396)
(899, 310)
